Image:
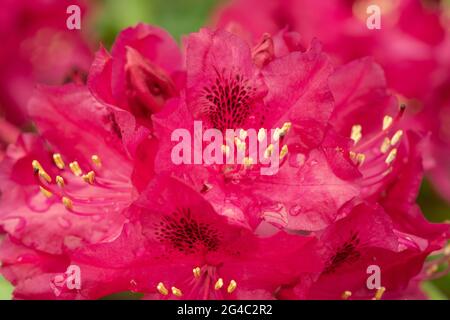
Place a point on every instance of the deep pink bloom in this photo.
(69, 185)
(366, 237)
(97, 187)
(399, 46)
(177, 246)
(37, 46)
(142, 72)
(231, 86)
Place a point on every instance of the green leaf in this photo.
(432, 291)
(6, 289)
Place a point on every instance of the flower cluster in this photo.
(95, 187)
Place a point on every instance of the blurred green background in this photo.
(180, 17)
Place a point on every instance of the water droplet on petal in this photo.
(295, 210)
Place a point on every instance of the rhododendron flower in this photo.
(68, 185)
(142, 72)
(128, 179)
(37, 46)
(226, 89)
(176, 246)
(400, 46)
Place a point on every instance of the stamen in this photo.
(285, 129)
(75, 167)
(197, 272)
(89, 177)
(45, 192)
(232, 286)
(356, 134)
(261, 134)
(391, 156)
(36, 166)
(177, 292)
(276, 134)
(58, 161)
(60, 181)
(96, 160)
(219, 284)
(67, 203)
(283, 151)
(396, 138)
(360, 157)
(379, 293)
(247, 162)
(357, 158)
(387, 122)
(44, 175)
(162, 289)
(385, 145)
(269, 151)
(346, 294)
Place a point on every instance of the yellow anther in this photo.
(360, 157)
(247, 161)
(197, 272)
(75, 167)
(44, 175)
(269, 151)
(277, 134)
(45, 192)
(177, 292)
(219, 284)
(162, 289)
(242, 134)
(396, 137)
(60, 181)
(67, 203)
(89, 177)
(285, 128)
(57, 159)
(391, 156)
(232, 286)
(379, 293)
(346, 294)
(36, 166)
(385, 145)
(352, 155)
(387, 122)
(261, 134)
(356, 134)
(284, 151)
(96, 160)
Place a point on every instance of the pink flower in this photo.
(142, 72)
(37, 46)
(176, 246)
(367, 238)
(97, 188)
(69, 185)
(399, 46)
(229, 86)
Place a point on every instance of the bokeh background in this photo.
(107, 17)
